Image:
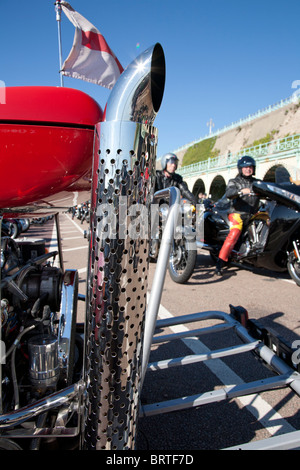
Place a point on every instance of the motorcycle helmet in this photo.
(245, 161)
(168, 157)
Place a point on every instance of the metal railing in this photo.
(274, 147)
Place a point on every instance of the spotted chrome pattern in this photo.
(117, 288)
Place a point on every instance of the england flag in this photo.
(90, 59)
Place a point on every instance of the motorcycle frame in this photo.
(286, 240)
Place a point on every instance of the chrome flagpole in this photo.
(58, 19)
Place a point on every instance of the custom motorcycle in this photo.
(271, 238)
(183, 254)
(60, 379)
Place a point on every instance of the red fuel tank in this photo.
(46, 143)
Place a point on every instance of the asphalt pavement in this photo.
(268, 297)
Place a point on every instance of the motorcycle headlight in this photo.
(188, 208)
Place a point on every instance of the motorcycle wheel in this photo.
(182, 261)
(293, 266)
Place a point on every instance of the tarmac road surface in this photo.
(268, 297)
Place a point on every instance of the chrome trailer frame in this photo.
(274, 354)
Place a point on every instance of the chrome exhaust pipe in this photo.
(122, 188)
(138, 93)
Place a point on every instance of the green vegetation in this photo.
(200, 152)
(203, 150)
(264, 140)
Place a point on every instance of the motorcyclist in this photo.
(243, 203)
(167, 177)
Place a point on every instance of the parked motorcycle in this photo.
(183, 254)
(64, 383)
(41, 220)
(271, 238)
(85, 212)
(14, 227)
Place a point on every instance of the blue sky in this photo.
(225, 59)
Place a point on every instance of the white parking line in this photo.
(71, 238)
(289, 280)
(77, 248)
(272, 421)
(78, 228)
(62, 231)
(82, 270)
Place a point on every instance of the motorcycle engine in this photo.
(35, 343)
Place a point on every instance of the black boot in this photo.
(219, 266)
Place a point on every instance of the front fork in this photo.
(296, 248)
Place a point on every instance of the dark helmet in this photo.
(245, 161)
(168, 157)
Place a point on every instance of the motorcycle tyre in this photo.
(292, 268)
(188, 270)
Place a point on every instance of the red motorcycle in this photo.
(56, 142)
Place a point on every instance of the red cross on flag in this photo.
(90, 59)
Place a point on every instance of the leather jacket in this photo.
(162, 182)
(243, 204)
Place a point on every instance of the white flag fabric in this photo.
(90, 59)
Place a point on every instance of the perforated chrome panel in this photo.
(117, 283)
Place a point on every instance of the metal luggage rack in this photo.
(271, 349)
